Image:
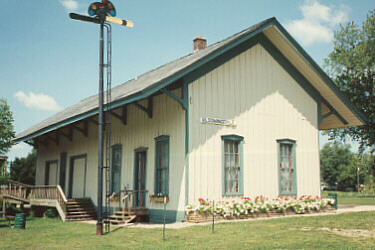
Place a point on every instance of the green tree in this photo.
(336, 163)
(6, 127)
(367, 168)
(23, 169)
(352, 67)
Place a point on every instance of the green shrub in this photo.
(50, 213)
(32, 214)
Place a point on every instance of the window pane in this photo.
(231, 166)
(162, 166)
(116, 169)
(286, 168)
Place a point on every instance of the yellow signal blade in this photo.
(129, 24)
(119, 21)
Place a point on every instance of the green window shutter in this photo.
(162, 165)
(232, 165)
(287, 167)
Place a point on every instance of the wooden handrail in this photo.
(62, 193)
(15, 189)
(125, 198)
(19, 183)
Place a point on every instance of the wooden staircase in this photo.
(127, 212)
(48, 196)
(79, 210)
(122, 217)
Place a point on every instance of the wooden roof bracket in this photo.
(182, 100)
(85, 128)
(69, 135)
(123, 116)
(32, 143)
(147, 109)
(333, 112)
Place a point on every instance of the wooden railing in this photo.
(49, 193)
(128, 200)
(16, 189)
(35, 194)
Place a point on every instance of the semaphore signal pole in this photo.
(100, 13)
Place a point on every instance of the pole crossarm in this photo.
(97, 20)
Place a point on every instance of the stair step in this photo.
(83, 219)
(117, 222)
(81, 209)
(78, 203)
(126, 220)
(82, 212)
(125, 213)
(80, 199)
(117, 217)
(79, 216)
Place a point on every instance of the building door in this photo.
(77, 177)
(51, 173)
(140, 177)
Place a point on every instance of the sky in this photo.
(49, 62)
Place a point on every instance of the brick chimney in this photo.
(199, 43)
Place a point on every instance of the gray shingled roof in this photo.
(89, 106)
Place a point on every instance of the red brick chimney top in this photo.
(199, 43)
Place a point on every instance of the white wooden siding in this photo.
(140, 131)
(266, 104)
(310, 74)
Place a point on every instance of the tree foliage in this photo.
(23, 169)
(340, 167)
(335, 157)
(352, 66)
(6, 127)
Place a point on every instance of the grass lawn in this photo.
(333, 231)
(352, 198)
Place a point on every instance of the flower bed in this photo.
(259, 207)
